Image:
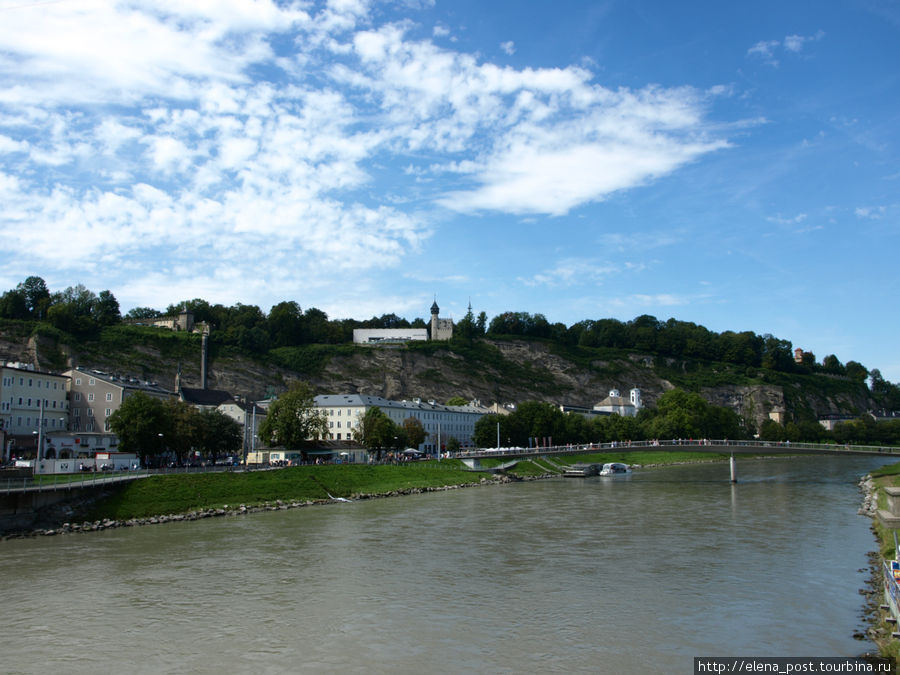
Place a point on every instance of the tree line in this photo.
(152, 427)
(678, 415)
(80, 311)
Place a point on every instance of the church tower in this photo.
(441, 329)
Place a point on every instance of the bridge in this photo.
(471, 458)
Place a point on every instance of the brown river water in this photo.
(634, 574)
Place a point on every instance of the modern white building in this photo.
(343, 413)
(380, 336)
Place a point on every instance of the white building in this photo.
(441, 422)
(375, 336)
(249, 415)
(617, 404)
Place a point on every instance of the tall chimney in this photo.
(204, 355)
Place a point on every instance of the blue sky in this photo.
(731, 164)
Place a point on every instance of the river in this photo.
(621, 575)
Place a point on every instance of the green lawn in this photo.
(161, 495)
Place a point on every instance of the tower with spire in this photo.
(441, 329)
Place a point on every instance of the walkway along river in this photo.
(618, 575)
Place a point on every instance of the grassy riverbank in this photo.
(172, 494)
(182, 493)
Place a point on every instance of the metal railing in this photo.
(697, 445)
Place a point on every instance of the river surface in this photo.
(634, 574)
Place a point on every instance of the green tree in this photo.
(105, 310)
(13, 305)
(139, 313)
(414, 432)
(485, 433)
(142, 425)
(293, 419)
(218, 434)
(376, 431)
(458, 400)
(284, 324)
(37, 296)
(183, 427)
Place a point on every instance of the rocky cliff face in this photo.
(520, 371)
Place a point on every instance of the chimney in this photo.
(204, 355)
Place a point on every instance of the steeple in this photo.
(435, 310)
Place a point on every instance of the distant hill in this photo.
(491, 369)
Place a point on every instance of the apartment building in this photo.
(94, 396)
(31, 399)
(441, 422)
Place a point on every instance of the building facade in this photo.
(617, 404)
(31, 400)
(94, 396)
(343, 413)
(441, 329)
(377, 336)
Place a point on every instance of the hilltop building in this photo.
(441, 329)
(617, 404)
(380, 336)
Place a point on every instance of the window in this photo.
(76, 412)
(90, 397)
(109, 396)
(77, 381)
(90, 412)
(108, 412)
(77, 395)
(91, 382)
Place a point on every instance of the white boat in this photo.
(614, 469)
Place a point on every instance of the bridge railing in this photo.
(708, 445)
(69, 481)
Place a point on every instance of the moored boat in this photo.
(614, 469)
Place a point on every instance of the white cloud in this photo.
(573, 272)
(245, 141)
(872, 212)
(508, 47)
(766, 50)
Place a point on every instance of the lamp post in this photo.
(40, 438)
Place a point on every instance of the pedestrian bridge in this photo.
(471, 458)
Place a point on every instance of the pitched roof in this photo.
(213, 397)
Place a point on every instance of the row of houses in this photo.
(69, 413)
